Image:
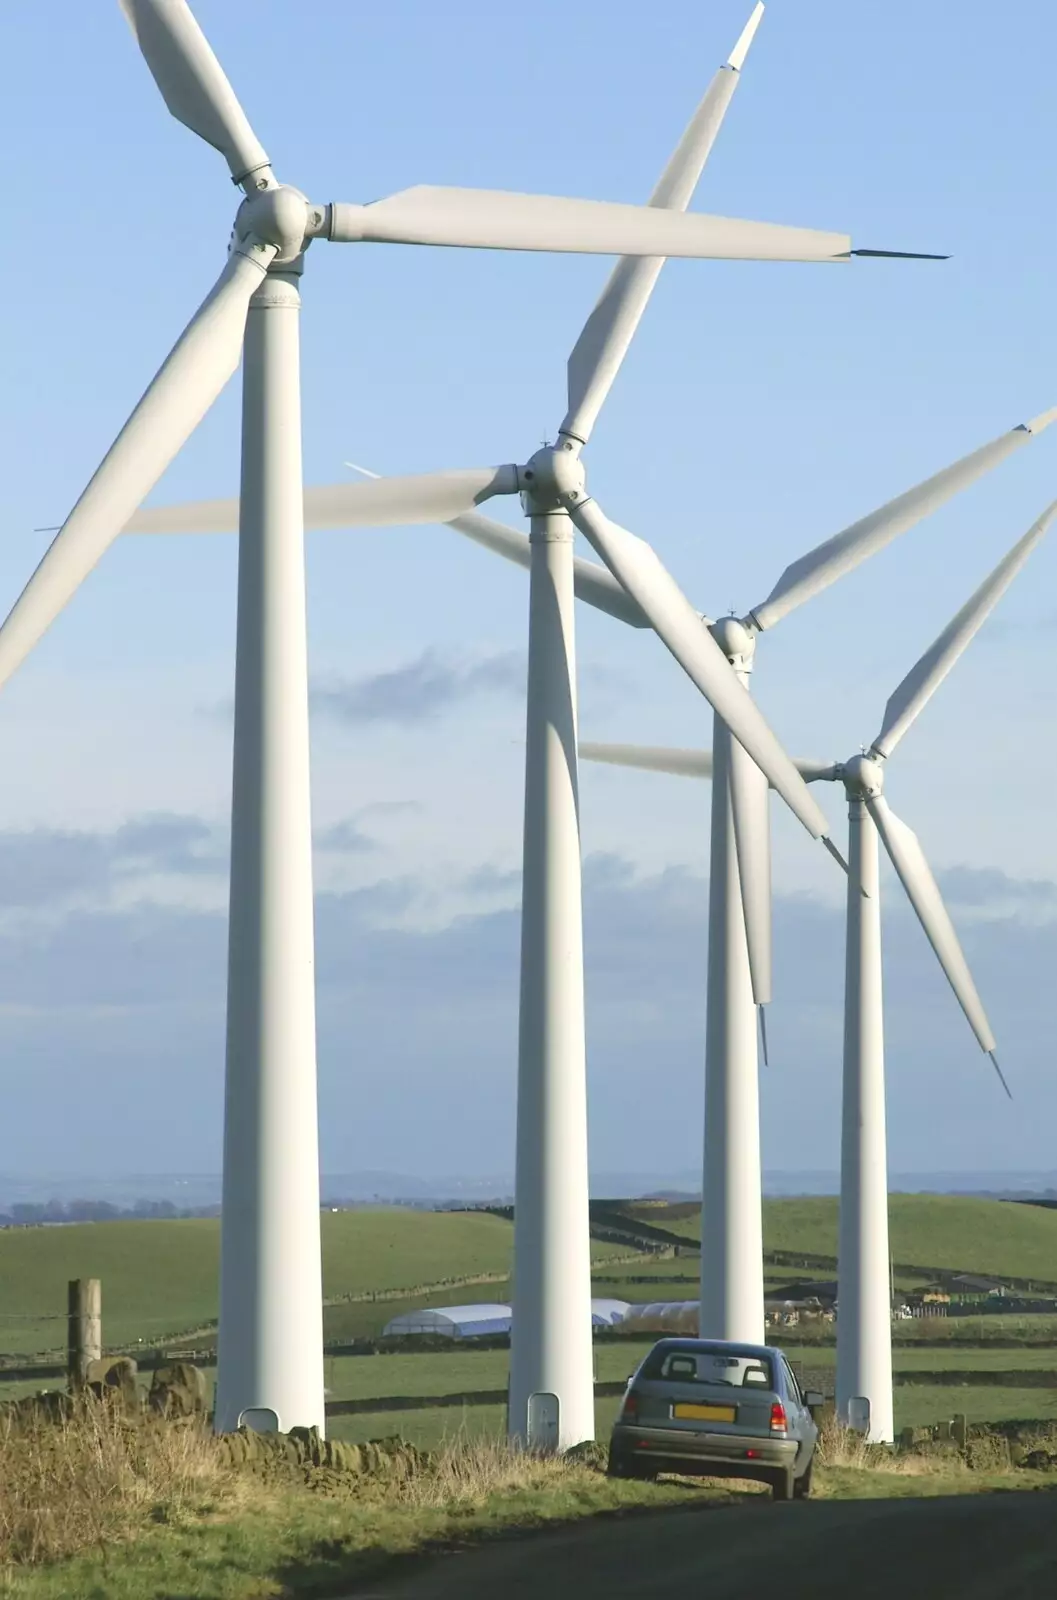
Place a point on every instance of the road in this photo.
(969, 1547)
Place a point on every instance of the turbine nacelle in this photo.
(553, 479)
(862, 776)
(737, 640)
(279, 216)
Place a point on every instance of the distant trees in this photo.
(26, 1214)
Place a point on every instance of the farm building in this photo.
(477, 1322)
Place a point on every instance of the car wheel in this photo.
(802, 1486)
(782, 1484)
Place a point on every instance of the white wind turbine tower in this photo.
(739, 906)
(270, 1339)
(551, 1362)
(864, 1354)
(864, 1325)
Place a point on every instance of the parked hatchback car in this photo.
(714, 1409)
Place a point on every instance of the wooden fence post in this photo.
(84, 1329)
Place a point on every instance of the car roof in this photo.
(675, 1343)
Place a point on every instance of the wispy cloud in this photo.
(420, 691)
(113, 1008)
(989, 892)
(42, 867)
(344, 838)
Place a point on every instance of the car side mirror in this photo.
(813, 1398)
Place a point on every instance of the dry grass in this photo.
(96, 1477)
(847, 1449)
(92, 1477)
(468, 1470)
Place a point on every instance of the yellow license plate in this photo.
(703, 1413)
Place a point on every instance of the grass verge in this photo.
(104, 1509)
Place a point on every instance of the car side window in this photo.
(790, 1378)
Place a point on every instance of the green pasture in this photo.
(915, 1406)
(160, 1277)
(992, 1237)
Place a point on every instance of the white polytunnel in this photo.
(605, 1313)
(674, 1316)
(451, 1322)
(477, 1322)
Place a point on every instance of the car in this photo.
(712, 1408)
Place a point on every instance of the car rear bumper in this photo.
(689, 1452)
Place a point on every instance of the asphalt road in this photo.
(969, 1547)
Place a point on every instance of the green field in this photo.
(916, 1406)
(957, 1233)
(160, 1278)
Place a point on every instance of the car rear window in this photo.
(738, 1369)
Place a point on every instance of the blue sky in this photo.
(761, 409)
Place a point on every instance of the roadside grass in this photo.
(105, 1510)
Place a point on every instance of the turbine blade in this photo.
(636, 565)
(1001, 1074)
(598, 353)
(192, 376)
(843, 553)
(193, 83)
(922, 681)
(692, 764)
(900, 255)
(378, 503)
(650, 758)
(750, 810)
(492, 219)
(908, 858)
(762, 1014)
(591, 584)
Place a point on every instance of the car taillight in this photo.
(630, 1407)
(778, 1421)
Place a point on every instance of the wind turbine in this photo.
(551, 1359)
(864, 1325)
(739, 907)
(864, 1354)
(270, 1339)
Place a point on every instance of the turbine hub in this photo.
(278, 216)
(863, 777)
(553, 479)
(737, 642)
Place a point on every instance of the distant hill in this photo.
(927, 1231)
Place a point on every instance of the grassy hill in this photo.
(926, 1230)
(160, 1278)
